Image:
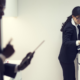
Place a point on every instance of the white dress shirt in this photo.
(77, 30)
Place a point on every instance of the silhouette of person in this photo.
(7, 68)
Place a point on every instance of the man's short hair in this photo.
(2, 3)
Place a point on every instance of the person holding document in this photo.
(70, 42)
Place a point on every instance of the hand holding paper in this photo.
(26, 61)
(8, 50)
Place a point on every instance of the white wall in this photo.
(38, 20)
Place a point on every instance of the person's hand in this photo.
(26, 61)
(79, 42)
(8, 50)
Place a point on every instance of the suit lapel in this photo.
(75, 32)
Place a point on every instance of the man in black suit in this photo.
(7, 68)
(70, 33)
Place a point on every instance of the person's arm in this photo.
(25, 62)
(9, 70)
(67, 35)
(2, 57)
(1, 69)
(12, 69)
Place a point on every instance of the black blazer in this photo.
(68, 49)
(7, 69)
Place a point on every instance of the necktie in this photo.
(79, 32)
(79, 38)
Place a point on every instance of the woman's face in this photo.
(76, 19)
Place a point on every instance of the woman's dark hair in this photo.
(75, 12)
(2, 5)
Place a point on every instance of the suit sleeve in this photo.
(9, 70)
(1, 69)
(67, 34)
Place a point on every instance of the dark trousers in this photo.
(68, 71)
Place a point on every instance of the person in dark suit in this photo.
(7, 68)
(70, 33)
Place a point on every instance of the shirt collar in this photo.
(73, 23)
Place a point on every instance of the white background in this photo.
(38, 20)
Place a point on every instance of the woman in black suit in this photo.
(70, 42)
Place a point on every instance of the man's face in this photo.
(76, 19)
(3, 9)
